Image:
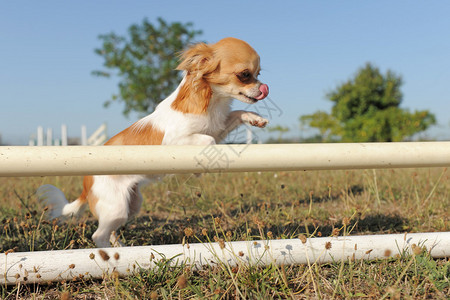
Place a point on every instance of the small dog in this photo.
(196, 113)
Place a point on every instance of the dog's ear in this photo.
(198, 62)
(199, 59)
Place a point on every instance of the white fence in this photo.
(58, 265)
(99, 137)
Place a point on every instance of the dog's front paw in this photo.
(254, 119)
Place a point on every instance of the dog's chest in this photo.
(212, 123)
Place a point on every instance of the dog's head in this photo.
(228, 68)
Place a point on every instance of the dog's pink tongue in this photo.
(264, 89)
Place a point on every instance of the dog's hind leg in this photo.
(110, 202)
(134, 202)
(105, 235)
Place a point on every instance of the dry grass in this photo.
(242, 206)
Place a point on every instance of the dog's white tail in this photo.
(57, 204)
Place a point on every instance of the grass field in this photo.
(244, 206)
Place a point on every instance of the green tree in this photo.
(325, 123)
(366, 108)
(145, 62)
(280, 129)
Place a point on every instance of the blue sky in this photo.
(307, 48)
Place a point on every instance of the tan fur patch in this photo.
(199, 63)
(87, 195)
(88, 181)
(137, 135)
(193, 97)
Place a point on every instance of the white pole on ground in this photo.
(45, 266)
(85, 160)
(63, 135)
(40, 136)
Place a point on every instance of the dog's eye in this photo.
(244, 76)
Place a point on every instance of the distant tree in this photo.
(145, 61)
(325, 123)
(280, 129)
(366, 109)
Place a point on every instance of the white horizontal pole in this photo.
(85, 160)
(58, 265)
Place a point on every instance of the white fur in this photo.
(168, 120)
(114, 212)
(57, 204)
